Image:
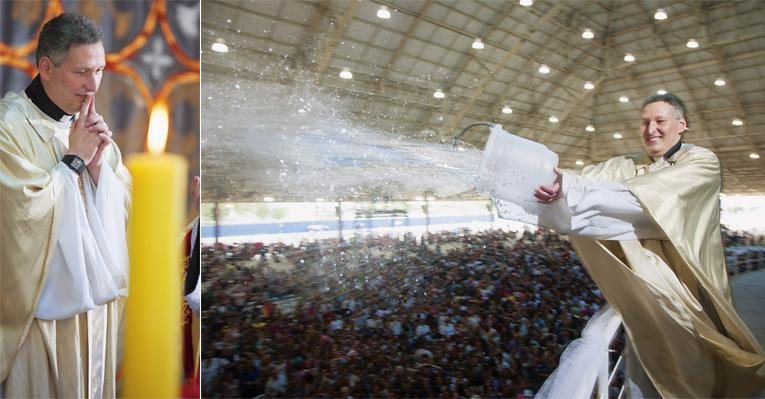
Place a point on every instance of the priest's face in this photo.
(661, 127)
(78, 75)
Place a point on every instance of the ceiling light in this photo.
(383, 13)
(660, 14)
(692, 43)
(737, 122)
(588, 85)
(553, 119)
(346, 74)
(618, 135)
(419, 198)
(268, 199)
(754, 155)
(661, 91)
(590, 128)
(220, 47)
(478, 44)
(439, 94)
(526, 3)
(319, 199)
(579, 162)
(629, 57)
(624, 99)
(544, 69)
(719, 82)
(507, 110)
(587, 34)
(430, 198)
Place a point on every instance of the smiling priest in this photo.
(648, 233)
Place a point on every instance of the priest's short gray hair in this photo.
(671, 99)
(64, 32)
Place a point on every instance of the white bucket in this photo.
(512, 167)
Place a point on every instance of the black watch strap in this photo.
(74, 163)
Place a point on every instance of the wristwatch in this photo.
(74, 163)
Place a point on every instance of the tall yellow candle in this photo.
(152, 350)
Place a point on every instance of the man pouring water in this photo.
(648, 232)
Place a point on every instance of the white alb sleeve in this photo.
(600, 210)
(108, 222)
(85, 269)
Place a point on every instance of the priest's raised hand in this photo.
(83, 141)
(98, 127)
(549, 193)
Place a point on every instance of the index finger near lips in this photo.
(84, 109)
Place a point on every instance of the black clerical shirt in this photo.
(39, 97)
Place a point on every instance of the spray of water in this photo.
(271, 138)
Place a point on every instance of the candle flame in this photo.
(158, 125)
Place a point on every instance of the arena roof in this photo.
(534, 61)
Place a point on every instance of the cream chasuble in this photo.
(63, 261)
(672, 292)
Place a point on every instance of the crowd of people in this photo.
(741, 238)
(744, 251)
(484, 314)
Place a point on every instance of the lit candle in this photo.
(153, 312)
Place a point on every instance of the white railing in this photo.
(584, 365)
(618, 365)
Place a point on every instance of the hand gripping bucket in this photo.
(512, 167)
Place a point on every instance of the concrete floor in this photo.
(749, 299)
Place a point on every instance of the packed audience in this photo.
(461, 315)
(744, 251)
(741, 238)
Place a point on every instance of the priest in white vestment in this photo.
(64, 201)
(648, 232)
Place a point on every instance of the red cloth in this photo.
(190, 388)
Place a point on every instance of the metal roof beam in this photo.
(324, 54)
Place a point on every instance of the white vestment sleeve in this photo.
(77, 280)
(107, 219)
(600, 210)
